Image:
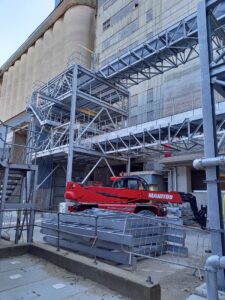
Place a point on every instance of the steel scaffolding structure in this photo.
(162, 136)
(100, 124)
(74, 106)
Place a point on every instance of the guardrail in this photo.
(12, 151)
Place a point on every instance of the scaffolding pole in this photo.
(72, 125)
(4, 190)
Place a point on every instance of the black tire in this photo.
(146, 213)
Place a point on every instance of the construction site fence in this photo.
(131, 236)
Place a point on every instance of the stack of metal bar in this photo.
(114, 236)
(187, 216)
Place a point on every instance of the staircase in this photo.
(14, 182)
(47, 114)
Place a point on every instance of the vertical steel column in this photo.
(128, 165)
(210, 140)
(69, 171)
(32, 212)
(29, 154)
(4, 189)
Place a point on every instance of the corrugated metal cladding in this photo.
(57, 2)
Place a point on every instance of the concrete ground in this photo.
(27, 277)
(175, 282)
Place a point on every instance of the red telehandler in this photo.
(130, 194)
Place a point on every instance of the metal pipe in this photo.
(213, 264)
(203, 163)
(128, 165)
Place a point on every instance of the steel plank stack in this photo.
(114, 236)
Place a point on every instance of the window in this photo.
(136, 184)
(149, 96)
(106, 25)
(150, 110)
(132, 184)
(149, 15)
(119, 184)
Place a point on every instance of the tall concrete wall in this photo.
(47, 57)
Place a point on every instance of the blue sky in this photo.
(18, 19)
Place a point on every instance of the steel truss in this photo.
(173, 47)
(163, 137)
(74, 106)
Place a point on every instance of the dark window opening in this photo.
(106, 25)
(198, 180)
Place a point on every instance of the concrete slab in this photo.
(13, 263)
(122, 281)
(33, 278)
(194, 297)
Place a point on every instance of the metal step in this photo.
(14, 180)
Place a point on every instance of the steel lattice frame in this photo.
(177, 136)
(100, 107)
